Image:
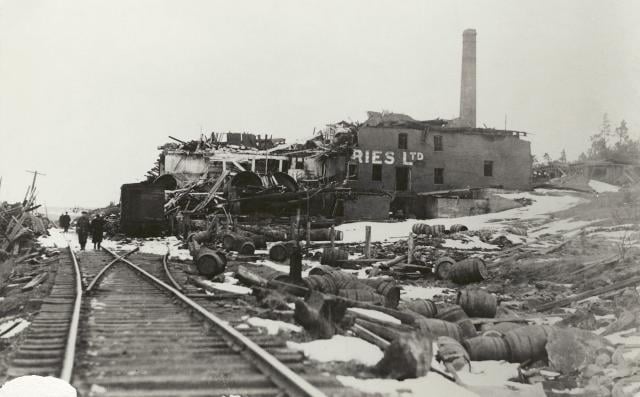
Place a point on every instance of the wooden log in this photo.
(367, 242)
(598, 291)
(369, 336)
(384, 330)
(40, 278)
(410, 248)
(332, 236)
(394, 261)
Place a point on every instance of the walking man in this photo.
(97, 229)
(65, 221)
(82, 228)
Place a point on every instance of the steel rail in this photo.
(165, 265)
(293, 384)
(72, 336)
(106, 267)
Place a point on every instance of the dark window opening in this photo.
(299, 164)
(352, 171)
(402, 141)
(437, 143)
(402, 179)
(438, 176)
(376, 172)
(488, 168)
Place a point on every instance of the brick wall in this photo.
(462, 158)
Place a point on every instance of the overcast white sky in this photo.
(89, 89)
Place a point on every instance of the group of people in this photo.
(84, 227)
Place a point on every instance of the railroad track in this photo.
(114, 328)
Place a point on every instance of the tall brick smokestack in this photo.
(468, 82)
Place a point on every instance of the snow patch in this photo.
(602, 187)
(433, 384)
(273, 326)
(34, 385)
(13, 327)
(410, 292)
(542, 205)
(229, 285)
(340, 348)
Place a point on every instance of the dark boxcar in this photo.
(142, 209)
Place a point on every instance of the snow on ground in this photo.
(340, 348)
(375, 315)
(433, 384)
(13, 327)
(285, 268)
(602, 187)
(273, 326)
(229, 285)
(542, 205)
(628, 338)
(155, 245)
(467, 243)
(33, 385)
(58, 238)
(410, 292)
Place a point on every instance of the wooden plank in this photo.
(598, 291)
(36, 281)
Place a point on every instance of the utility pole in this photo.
(31, 190)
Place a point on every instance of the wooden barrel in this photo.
(259, 240)
(245, 247)
(457, 228)
(362, 295)
(323, 235)
(477, 303)
(468, 271)
(451, 351)
(442, 267)
(437, 230)
(200, 237)
(440, 328)
(387, 288)
(322, 284)
(492, 333)
(341, 279)
(482, 348)
(228, 240)
(455, 314)
(424, 307)
(331, 256)
(209, 262)
(527, 343)
(421, 228)
(280, 252)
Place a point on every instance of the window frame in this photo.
(437, 143)
(376, 176)
(490, 164)
(403, 136)
(438, 172)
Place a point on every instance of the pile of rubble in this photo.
(557, 314)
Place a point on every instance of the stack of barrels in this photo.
(236, 242)
(380, 291)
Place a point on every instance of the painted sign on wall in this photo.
(381, 157)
